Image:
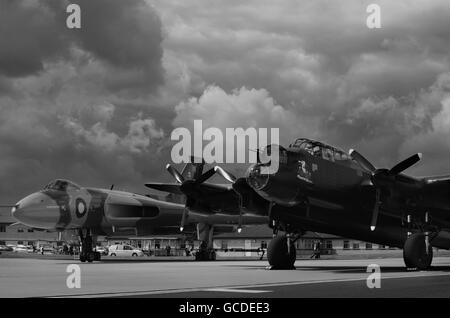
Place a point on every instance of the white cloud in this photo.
(141, 132)
(241, 108)
(140, 135)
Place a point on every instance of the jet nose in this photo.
(37, 210)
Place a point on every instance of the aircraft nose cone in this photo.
(37, 210)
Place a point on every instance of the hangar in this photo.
(248, 243)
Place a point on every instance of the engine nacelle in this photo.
(441, 240)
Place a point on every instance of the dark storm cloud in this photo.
(124, 34)
(96, 105)
(346, 84)
(29, 35)
(78, 103)
(127, 35)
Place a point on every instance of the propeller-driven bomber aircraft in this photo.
(321, 188)
(64, 206)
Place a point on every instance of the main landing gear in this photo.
(204, 253)
(87, 252)
(417, 252)
(281, 253)
(206, 250)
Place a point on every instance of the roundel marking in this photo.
(80, 208)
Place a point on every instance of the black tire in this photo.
(90, 257)
(415, 254)
(82, 258)
(134, 255)
(113, 254)
(277, 253)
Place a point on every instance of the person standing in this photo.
(318, 247)
(316, 250)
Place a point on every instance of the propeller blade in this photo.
(405, 164)
(226, 175)
(361, 160)
(376, 210)
(208, 174)
(183, 219)
(174, 173)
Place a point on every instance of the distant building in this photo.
(14, 234)
(234, 244)
(258, 237)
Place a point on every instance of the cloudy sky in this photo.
(97, 105)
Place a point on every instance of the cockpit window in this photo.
(322, 150)
(304, 145)
(317, 151)
(328, 154)
(61, 185)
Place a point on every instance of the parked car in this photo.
(102, 250)
(5, 248)
(124, 250)
(48, 249)
(21, 248)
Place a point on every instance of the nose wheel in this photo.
(87, 253)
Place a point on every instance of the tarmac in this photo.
(145, 277)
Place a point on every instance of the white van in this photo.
(124, 250)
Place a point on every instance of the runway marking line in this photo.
(231, 287)
(235, 290)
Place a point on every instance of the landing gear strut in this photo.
(417, 252)
(204, 253)
(206, 250)
(87, 253)
(281, 253)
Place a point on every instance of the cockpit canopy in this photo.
(62, 185)
(322, 150)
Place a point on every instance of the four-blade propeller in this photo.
(382, 177)
(185, 183)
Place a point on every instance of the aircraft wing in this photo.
(165, 187)
(21, 224)
(209, 198)
(206, 188)
(438, 182)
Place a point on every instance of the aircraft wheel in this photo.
(277, 253)
(90, 257)
(82, 258)
(415, 254)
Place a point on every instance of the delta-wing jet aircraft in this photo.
(321, 188)
(63, 206)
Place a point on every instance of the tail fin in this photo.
(193, 169)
